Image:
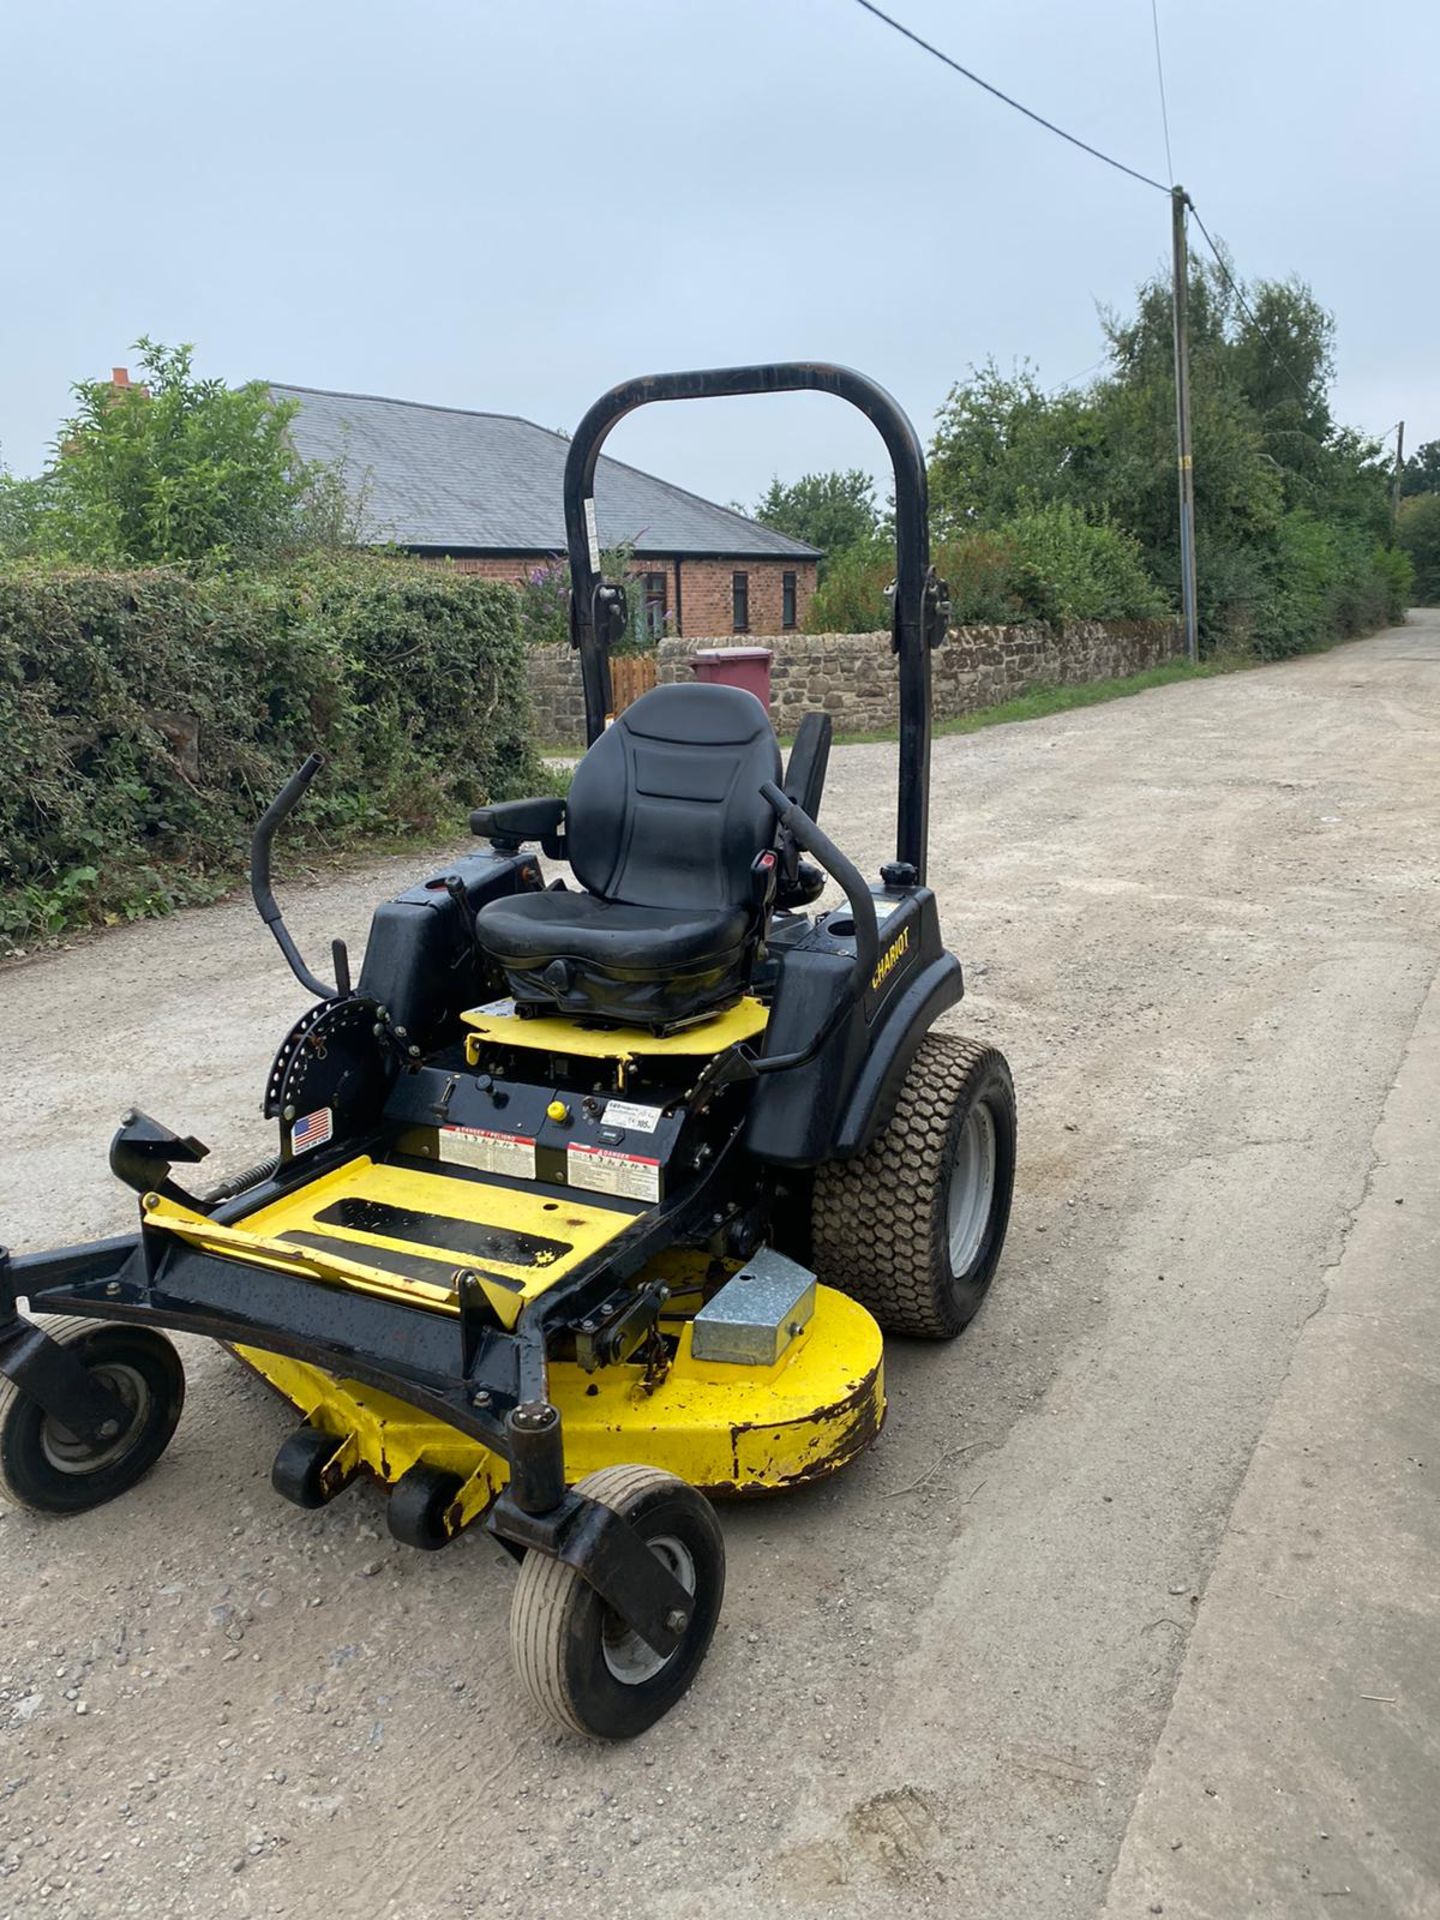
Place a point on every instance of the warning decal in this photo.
(628, 1175)
(623, 1113)
(488, 1152)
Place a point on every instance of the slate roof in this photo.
(439, 477)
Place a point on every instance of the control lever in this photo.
(280, 808)
(812, 839)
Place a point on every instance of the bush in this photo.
(1047, 563)
(1395, 576)
(545, 602)
(1071, 568)
(980, 568)
(1418, 533)
(149, 717)
(853, 597)
(1324, 581)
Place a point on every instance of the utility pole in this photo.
(1398, 477)
(1180, 269)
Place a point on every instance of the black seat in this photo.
(663, 825)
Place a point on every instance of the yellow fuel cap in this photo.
(557, 1110)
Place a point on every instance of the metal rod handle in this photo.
(280, 808)
(794, 819)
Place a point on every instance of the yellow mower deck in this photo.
(726, 1429)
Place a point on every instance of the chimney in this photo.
(119, 376)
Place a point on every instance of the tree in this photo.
(1421, 472)
(23, 507)
(1281, 491)
(175, 470)
(831, 511)
(1418, 534)
(1001, 445)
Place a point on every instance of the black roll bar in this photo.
(920, 611)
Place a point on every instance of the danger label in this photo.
(488, 1152)
(628, 1175)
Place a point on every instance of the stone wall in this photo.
(852, 677)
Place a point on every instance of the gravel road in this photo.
(1202, 923)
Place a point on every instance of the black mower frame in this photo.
(468, 1370)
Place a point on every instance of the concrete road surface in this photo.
(1134, 1607)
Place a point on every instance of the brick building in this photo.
(484, 491)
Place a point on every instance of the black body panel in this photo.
(832, 1107)
(421, 962)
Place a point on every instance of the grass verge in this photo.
(1040, 702)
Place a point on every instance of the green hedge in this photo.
(147, 718)
(1320, 581)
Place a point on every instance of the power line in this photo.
(1110, 161)
(1038, 118)
(1062, 386)
(1160, 76)
(1085, 147)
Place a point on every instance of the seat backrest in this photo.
(665, 810)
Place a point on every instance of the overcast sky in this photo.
(511, 204)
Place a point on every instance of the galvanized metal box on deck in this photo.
(757, 1313)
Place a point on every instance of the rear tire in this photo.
(45, 1467)
(913, 1227)
(579, 1661)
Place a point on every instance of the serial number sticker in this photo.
(624, 1113)
(497, 1009)
(488, 1152)
(312, 1131)
(628, 1175)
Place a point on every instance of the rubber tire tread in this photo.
(67, 1330)
(878, 1220)
(549, 1597)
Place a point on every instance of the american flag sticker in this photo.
(313, 1131)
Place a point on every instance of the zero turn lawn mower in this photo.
(591, 1201)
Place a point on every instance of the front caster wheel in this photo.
(580, 1662)
(47, 1468)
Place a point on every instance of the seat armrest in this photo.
(511, 822)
